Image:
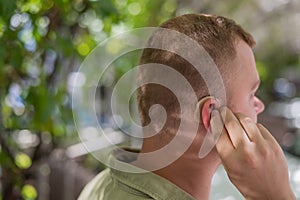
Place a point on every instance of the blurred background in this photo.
(42, 44)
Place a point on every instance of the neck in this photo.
(188, 172)
(192, 175)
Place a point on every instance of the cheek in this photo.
(242, 104)
(251, 111)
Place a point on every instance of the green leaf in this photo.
(29, 192)
(23, 161)
(7, 8)
(4, 159)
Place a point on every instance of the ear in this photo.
(206, 110)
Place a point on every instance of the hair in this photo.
(217, 35)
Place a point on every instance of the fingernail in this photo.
(214, 113)
(223, 110)
(217, 105)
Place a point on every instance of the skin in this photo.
(261, 155)
(245, 85)
(261, 172)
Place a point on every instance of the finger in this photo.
(212, 136)
(235, 131)
(266, 134)
(216, 124)
(250, 128)
(224, 145)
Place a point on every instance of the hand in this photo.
(252, 158)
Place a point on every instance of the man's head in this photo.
(230, 48)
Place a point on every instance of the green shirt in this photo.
(112, 184)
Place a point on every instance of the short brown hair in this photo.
(218, 35)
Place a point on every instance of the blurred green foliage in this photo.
(29, 192)
(41, 42)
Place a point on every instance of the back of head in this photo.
(217, 35)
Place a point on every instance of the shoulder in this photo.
(107, 187)
(94, 187)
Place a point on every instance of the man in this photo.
(251, 157)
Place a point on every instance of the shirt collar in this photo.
(142, 180)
